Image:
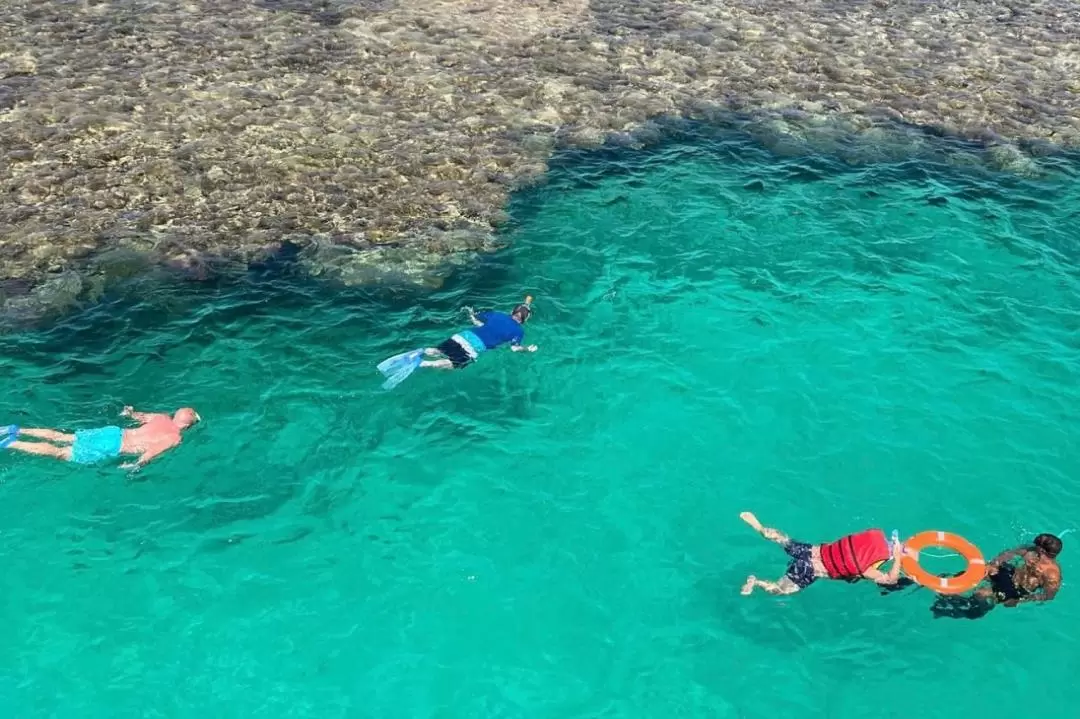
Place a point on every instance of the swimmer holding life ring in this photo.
(850, 558)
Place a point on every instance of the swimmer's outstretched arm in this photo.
(892, 577)
(1049, 591)
(145, 457)
(994, 564)
(140, 417)
(472, 317)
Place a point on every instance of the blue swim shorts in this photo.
(95, 445)
(801, 568)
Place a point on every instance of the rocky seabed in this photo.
(383, 137)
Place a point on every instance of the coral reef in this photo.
(383, 136)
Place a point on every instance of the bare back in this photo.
(155, 436)
(1038, 571)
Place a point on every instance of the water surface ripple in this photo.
(556, 535)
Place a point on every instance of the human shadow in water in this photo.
(950, 606)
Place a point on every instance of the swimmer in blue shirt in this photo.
(490, 330)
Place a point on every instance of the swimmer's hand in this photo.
(992, 569)
(519, 348)
(898, 552)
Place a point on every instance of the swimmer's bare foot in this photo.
(750, 519)
(773, 535)
(748, 587)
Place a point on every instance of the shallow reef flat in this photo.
(382, 137)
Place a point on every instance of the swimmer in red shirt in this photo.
(851, 558)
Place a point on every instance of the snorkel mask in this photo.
(524, 310)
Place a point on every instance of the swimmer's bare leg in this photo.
(784, 585)
(50, 435)
(443, 363)
(773, 535)
(42, 449)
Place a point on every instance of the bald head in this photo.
(185, 417)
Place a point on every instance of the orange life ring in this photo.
(976, 565)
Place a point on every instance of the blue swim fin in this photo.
(397, 369)
(8, 435)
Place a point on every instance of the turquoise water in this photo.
(556, 535)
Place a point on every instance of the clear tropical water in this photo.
(556, 535)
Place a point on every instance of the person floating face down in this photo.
(155, 434)
(856, 556)
(490, 330)
(1035, 578)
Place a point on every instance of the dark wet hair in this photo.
(521, 311)
(1049, 544)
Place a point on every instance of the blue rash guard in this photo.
(498, 329)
